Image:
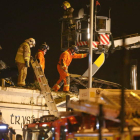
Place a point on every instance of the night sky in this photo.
(39, 19)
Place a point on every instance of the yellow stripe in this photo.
(57, 85)
(100, 60)
(82, 55)
(64, 66)
(66, 85)
(27, 58)
(21, 83)
(66, 51)
(19, 53)
(21, 49)
(40, 52)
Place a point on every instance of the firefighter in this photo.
(69, 23)
(62, 67)
(40, 55)
(68, 13)
(22, 59)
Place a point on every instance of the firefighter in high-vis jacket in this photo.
(68, 13)
(62, 67)
(68, 22)
(40, 55)
(23, 59)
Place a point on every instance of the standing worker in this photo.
(23, 59)
(40, 55)
(68, 22)
(62, 67)
(68, 13)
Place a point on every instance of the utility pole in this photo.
(90, 44)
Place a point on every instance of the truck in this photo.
(21, 106)
(98, 118)
(40, 128)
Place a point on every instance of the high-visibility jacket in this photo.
(68, 13)
(66, 58)
(40, 56)
(23, 53)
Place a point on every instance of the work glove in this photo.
(64, 68)
(26, 64)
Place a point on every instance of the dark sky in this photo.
(39, 19)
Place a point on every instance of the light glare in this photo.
(3, 127)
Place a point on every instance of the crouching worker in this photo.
(62, 67)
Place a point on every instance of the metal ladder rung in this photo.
(51, 101)
(44, 84)
(45, 89)
(37, 66)
(48, 93)
(41, 75)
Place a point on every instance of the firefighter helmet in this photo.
(44, 46)
(75, 48)
(67, 4)
(31, 41)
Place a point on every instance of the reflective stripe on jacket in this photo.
(66, 58)
(40, 56)
(23, 53)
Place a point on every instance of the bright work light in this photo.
(3, 127)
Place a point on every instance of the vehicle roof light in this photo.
(36, 126)
(44, 125)
(72, 120)
(25, 127)
(3, 127)
(65, 130)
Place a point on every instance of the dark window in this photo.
(63, 131)
(29, 136)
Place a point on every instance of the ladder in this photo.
(45, 89)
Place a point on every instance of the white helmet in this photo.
(31, 41)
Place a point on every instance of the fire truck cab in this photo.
(40, 129)
(70, 123)
(82, 126)
(77, 125)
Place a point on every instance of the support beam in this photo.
(90, 43)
